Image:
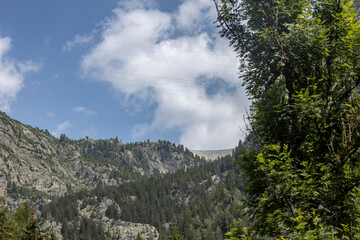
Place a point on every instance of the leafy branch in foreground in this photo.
(300, 62)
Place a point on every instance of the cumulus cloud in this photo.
(78, 40)
(61, 128)
(11, 74)
(84, 110)
(195, 16)
(173, 60)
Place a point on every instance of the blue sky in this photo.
(138, 70)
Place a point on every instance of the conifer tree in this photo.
(174, 233)
(22, 224)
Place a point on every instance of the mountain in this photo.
(34, 164)
(105, 189)
(203, 202)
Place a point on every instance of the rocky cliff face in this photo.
(33, 159)
(35, 164)
(116, 229)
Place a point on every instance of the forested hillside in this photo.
(36, 165)
(105, 189)
(202, 202)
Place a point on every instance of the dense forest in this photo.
(203, 202)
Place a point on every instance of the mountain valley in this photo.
(105, 189)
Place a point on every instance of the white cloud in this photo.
(146, 58)
(29, 66)
(195, 15)
(61, 128)
(5, 45)
(84, 110)
(11, 81)
(78, 40)
(11, 74)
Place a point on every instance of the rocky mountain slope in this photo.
(35, 164)
(38, 167)
(202, 200)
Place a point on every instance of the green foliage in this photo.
(239, 233)
(112, 212)
(300, 65)
(66, 211)
(17, 192)
(114, 152)
(183, 197)
(21, 224)
(65, 139)
(174, 233)
(138, 237)
(89, 230)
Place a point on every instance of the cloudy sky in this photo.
(135, 69)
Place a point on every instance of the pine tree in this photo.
(174, 233)
(22, 224)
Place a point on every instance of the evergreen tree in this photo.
(174, 233)
(22, 224)
(300, 65)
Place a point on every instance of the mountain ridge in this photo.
(39, 168)
(34, 159)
